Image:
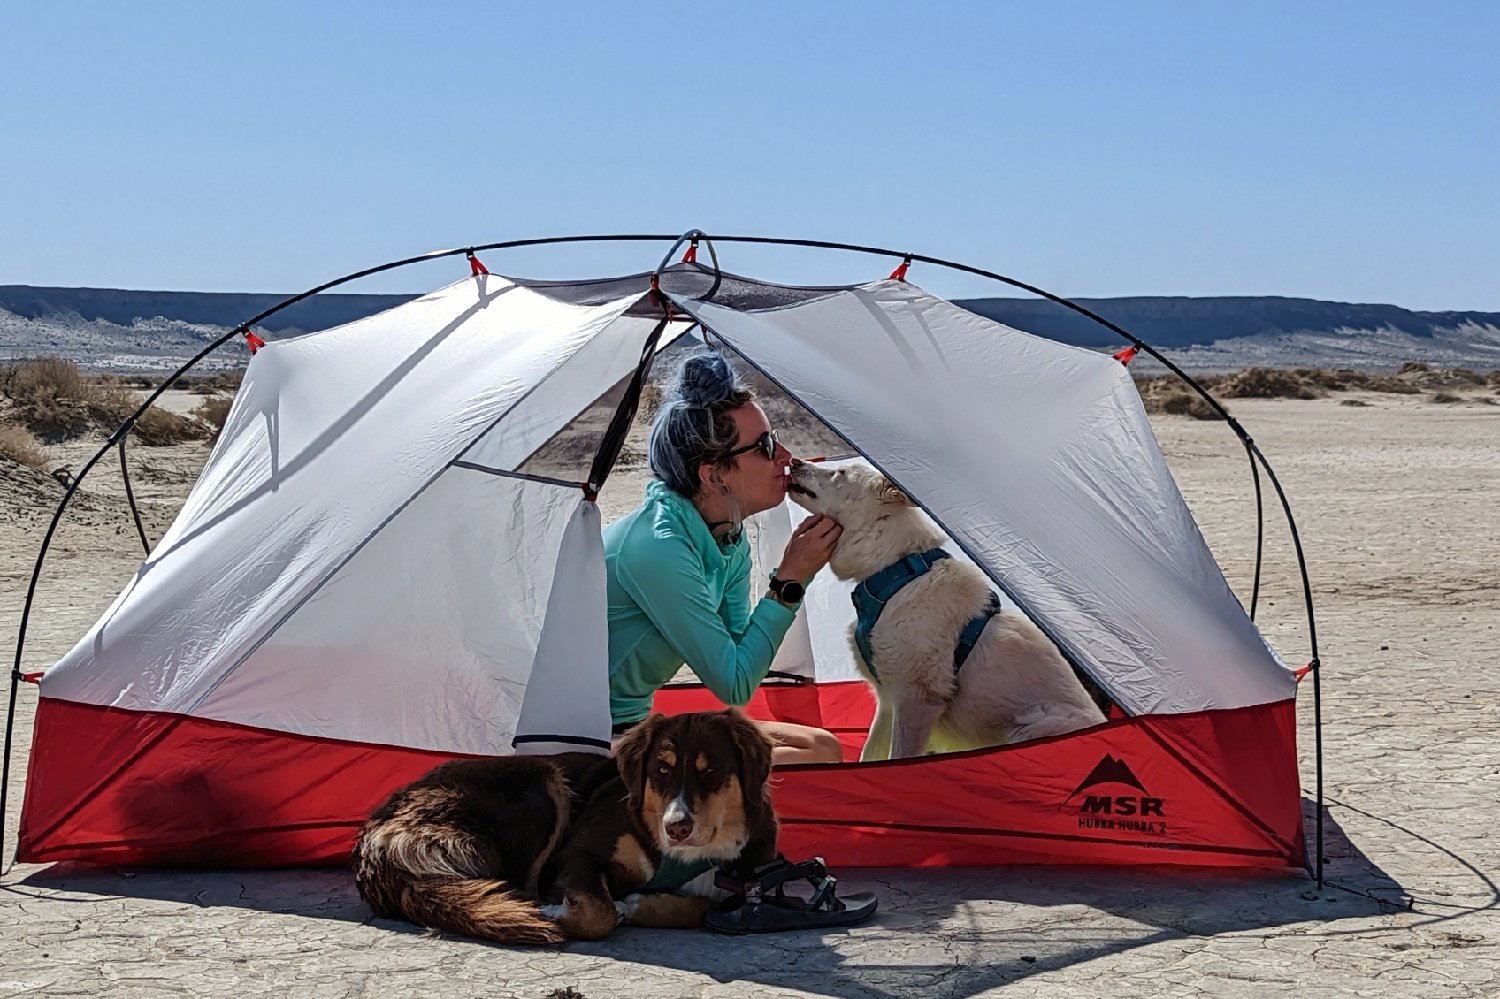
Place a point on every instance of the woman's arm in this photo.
(670, 587)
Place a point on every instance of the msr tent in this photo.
(369, 578)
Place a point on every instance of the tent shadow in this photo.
(950, 931)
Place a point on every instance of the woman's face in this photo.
(755, 482)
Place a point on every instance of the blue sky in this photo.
(1333, 150)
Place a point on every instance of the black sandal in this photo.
(760, 904)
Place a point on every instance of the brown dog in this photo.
(476, 846)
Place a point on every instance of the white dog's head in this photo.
(881, 523)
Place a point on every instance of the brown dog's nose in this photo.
(677, 821)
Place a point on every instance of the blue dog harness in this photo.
(871, 596)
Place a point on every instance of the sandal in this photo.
(759, 902)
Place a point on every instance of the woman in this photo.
(678, 566)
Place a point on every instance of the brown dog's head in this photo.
(698, 782)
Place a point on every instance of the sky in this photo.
(1347, 151)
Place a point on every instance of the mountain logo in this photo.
(1109, 771)
(1135, 813)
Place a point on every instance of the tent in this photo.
(369, 578)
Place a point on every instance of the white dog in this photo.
(1013, 685)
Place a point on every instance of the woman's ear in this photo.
(630, 758)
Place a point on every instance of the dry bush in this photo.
(1391, 385)
(1353, 402)
(1268, 383)
(1494, 378)
(1338, 380)
(213, 411)
(224, 381)
(162, 427)
(651, 396)
(1445, 397)
(1466, 375)
(54, 401)
(1183, 402)
(21, 446)
(1412, 367)
(1168, 394)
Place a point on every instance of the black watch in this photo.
(788, 591)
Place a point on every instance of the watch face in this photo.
(791, 591)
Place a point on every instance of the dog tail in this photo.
(477, 907)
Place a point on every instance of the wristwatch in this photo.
(788, 591)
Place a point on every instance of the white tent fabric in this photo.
(1038, 459)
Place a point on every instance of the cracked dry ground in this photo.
(1395, 502)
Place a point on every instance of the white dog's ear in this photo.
(891, 493)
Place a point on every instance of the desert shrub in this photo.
(213, 411)
(1445, 397)
(1184, 402)
(1353, 402)
(1267, 383)
(1167, 394)
(20, 445)
(651, 395)
(55, 402)
(1391, 385)
(1412, 367)
(1493, 378)
(223, 381)
(161, 427)
(1466, 375)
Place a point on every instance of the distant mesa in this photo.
(111, 329)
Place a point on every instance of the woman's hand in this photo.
(809, 549)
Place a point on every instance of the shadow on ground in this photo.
(946, 932)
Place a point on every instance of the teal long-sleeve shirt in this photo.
(677, 596)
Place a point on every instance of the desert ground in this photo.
(1395, 498)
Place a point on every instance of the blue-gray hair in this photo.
(693, 426)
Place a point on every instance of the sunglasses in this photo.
(766, 443)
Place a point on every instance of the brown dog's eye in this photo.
(663, 769)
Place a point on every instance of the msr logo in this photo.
(1128, 812)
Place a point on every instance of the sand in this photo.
(1396, 502)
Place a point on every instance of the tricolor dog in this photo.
(941, 656)
(533, 850)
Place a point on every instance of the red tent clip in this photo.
(1125, 356)
(1299, 674)
(691, 256)
(475, 267)
(899, 274)
(32, 677)
(253, 342)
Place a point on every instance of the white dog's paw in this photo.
(625, 907)
(555, 912)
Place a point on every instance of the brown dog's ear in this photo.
(630, 757)
(754, 752)
(892, 493)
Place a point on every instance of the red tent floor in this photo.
(1213, 788)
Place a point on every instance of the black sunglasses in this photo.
(766, 443)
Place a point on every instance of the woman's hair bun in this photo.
(705, 379)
